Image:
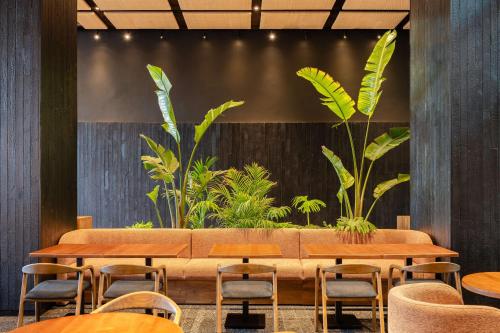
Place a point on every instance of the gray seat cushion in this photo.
(411, 281)
(349, 289)
(121, 287)
(56, 289)
(247, 289)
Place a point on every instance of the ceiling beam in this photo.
(256, 14)
(176, 10)
(403, 22)
(100, 14)
(337, 7)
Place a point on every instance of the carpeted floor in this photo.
(201, 318)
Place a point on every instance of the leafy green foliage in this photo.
(243, 201)
(334, 96)
(345, 177)
(356, 225)
(387, 142)
(212, 114)
(370, 92)
(307, 206)
(383, 187)
(141, 225)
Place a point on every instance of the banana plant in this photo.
(307, 206)
(166, 166)
(351, 194)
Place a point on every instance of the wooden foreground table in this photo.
(114, 322)
(370, 251)
(245, 320)
(486, 283)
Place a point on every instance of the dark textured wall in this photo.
(37, 133)
(455, 120)
(112, 183)
(114, 86)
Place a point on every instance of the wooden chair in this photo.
(143, 300)
(349, 290)
(245, 290)
(445, 268)
(54, 290)
(117, 288)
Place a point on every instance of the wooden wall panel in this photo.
(37, 132)
(112, 183)
(455, 120)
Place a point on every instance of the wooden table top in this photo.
(113, 322)
(486, 283)
(110, 251)
(376, 251)
(245, 251)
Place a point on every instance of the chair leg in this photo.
(381, 314)
(374, 315)
(275, 314)
(100, 296)
(37, 311)
(20, 316)
(316, 301)
(325, 315)
(219, 315)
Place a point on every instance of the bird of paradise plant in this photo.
(167, 167)
(353, 218)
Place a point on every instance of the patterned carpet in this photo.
(201, 318)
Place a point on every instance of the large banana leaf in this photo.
(345, 178)
(164, 101)
(335, 97)
(383, 187)
(212, 114)
(386, 142)
(166, 156)
(370, 92)
(153, 195)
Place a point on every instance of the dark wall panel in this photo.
(37, 132)
(114, 86)
(455, 120)
(112, 183)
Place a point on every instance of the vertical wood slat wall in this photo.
(112, 182)
(454, 98)
(37, 132)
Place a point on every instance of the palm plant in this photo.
(337, 100)
(168, 167)
(307, 206)
(243, 201)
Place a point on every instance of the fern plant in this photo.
(168, 167)
(354, 218)
(307, 206)
(243, 201)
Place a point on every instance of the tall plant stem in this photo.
(167, 197)
(366, 181)
(182, 204)
(355, 165)
(158, 216)
(370, 210)
(308, 221)
(348, 208)
(174, 191)
(361, 169)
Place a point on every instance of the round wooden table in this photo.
(486, 284)
(113, 322)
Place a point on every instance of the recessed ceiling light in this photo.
(127, 36)
(378, 36)
(204, 36)
(97, 36)
(272, 36)
(345, 36)
(256, 8)
(96, 9)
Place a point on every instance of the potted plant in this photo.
(354, 219)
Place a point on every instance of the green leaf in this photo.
(345, 178)
(167, 157)
(153, 195)
(369, 93)
(212, 114)
(164, 102)
(383, 187)
(386, 142)
(334, 96)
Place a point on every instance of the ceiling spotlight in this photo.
(256, 8)
(204, 36)
(344, 36)
(97, 36)
(96, 9)
(127, 36)
(272, 36)
(378, 36)
(162, 37)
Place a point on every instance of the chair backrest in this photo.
(47, 268)
(351, 269)
(246, 269)
(128, 269)
(143, 300)
(433, 267)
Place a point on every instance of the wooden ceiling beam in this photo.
(256, 14)
(179, 17)
(100, 14)
(337, 7)
(403, 22)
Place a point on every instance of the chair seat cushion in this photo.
(56, 289)
(411, 281)
(349, 289)
(121, 287)
(247, 289)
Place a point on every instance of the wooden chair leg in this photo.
(316, 301)
(20, 316)
(374, 315)
(275, 314)
(37, 311)
(219, 315)
(325, 315)
(100, 296)
(218, 302)
(381, 314)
